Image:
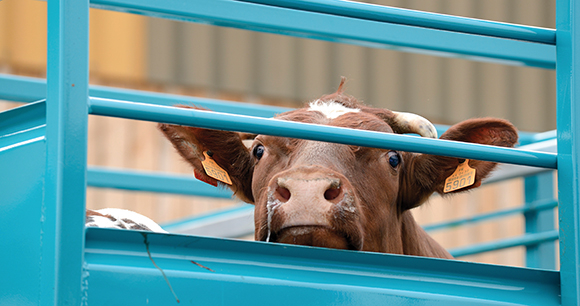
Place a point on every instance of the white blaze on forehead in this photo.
(331, 109)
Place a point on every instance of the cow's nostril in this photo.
(332, 193)
(284, 193)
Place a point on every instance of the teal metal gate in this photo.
(49, 258)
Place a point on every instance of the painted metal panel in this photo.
(63, 208)
(198, 270)
(21, 190)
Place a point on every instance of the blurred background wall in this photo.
(136, 52)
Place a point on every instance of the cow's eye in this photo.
(259, 151)
(394, 159)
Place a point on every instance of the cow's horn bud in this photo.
(412, 123)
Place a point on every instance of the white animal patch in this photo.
(123, 219)
(331, 109)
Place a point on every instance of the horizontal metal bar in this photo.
(34, 89)
(221, 121)
(231, 222)
(23, 118)
(22, 89)
(527, 138)
(396, 15)
(27, 89)
(535, 206)
(525, 240)
(369, 33)
(211, 271)
(152, 182)
(506, 171)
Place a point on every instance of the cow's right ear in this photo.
(424, 174)
(226, 149)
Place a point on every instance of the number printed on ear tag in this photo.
(212, 169)
(463, 176)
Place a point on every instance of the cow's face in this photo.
(325, 194)
(333, 195)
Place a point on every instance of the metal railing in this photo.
(116, 261)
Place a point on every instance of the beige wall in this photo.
(159, 55)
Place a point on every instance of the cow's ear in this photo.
(424, 174)
(226, 149)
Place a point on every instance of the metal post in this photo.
(62, 235)
(568, 66)
(537, 188)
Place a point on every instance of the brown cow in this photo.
(333, 195)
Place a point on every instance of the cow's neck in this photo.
(417, 242)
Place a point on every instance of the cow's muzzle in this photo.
(313, 206)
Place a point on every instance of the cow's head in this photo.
(333, 195)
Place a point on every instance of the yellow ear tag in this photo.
(463, 176)
(214, 170)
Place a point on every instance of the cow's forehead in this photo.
(326, 113)
(335, 113)
(331, 109)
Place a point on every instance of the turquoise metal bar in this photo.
(536, 206)
(22, 89)
(526, 240)
(568, 125)
(210, 271)
(22, 194)
(27, 89)
(536, 188)
(22, 118)
(221, 121)
(152, 182)
(417, 18)
(63, 210)
(342, 29)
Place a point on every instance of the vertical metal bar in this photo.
(568, 86)
(540, 187)
(62, 236)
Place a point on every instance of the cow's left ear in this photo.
(424, 174)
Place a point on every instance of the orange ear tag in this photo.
(214, 170)
(463, 176)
